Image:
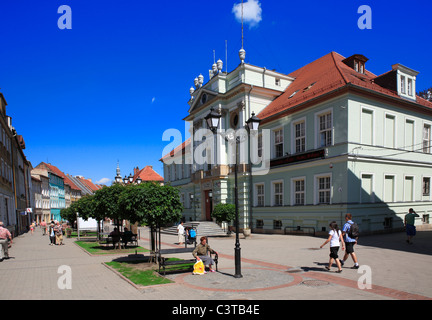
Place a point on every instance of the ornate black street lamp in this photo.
(212, 120)
(252, 124)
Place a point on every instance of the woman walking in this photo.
(335, 236)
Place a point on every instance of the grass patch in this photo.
(96, 248)
(135, 272)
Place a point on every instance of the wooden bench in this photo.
(164, 262)
(122, 243)
(133, 239)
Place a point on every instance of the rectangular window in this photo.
(259, 194)
(325, 130)
(426, 186)
(277, 194)
(260, 224)
(260, 142)
(277, 224)
(409, 135)
(402, 83)
(367, 192)
(409, 189)
(410, 87)
(300, 137)
(299, 192)
(278, 143)
(324, 190)
(390, 131)
(367, 132)
(389, 188)
(426, 138)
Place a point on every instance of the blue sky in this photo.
(106, 90)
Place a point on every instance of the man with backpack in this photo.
(350, 231)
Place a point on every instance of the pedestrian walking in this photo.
(43, 225)
(181, 233)
(349, 242)
(52, 234)
(336, 240)
(409, 223)
(58, 230)
(5, 238)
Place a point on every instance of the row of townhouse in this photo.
(334, 138)
(15, 177)
(55, 190)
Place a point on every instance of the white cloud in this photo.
(153, 99)
(104, 181)
(251, 12)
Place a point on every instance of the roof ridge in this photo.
(337, 67)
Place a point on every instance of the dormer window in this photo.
(357, 62)
(406, 81)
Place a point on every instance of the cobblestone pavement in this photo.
(274, 267)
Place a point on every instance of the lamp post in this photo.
(212, 120)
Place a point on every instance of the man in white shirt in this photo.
(181, 231)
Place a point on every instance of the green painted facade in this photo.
(376, 162)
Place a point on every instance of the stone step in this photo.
(204, 228)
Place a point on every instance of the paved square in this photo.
(274, 267)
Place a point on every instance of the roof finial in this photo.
(242, 52)
(118, 170)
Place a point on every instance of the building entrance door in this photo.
(208, 204)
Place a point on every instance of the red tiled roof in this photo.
(148, 174)
(58, 172)
(323, 76)
(88, 183)
(174, 152)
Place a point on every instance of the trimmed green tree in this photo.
(151, 204)
(224, 212)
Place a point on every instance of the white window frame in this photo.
(316, 187)
(274, 141)
(373, 193)
(426, 124)
(413, 187)
(260, 145)
(412, 146)
(410, 87)
(372, 111)
(295, 138)
(422, 187)
(294, 192)
(318, 130)
(403, 84)
(387, 114)
(256, 195)
(394, 185)
(273, 194)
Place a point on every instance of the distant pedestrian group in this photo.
(55, 231)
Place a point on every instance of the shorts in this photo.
(334, 252)
(349, 247)
(410, 230)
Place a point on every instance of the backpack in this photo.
(354, 231)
